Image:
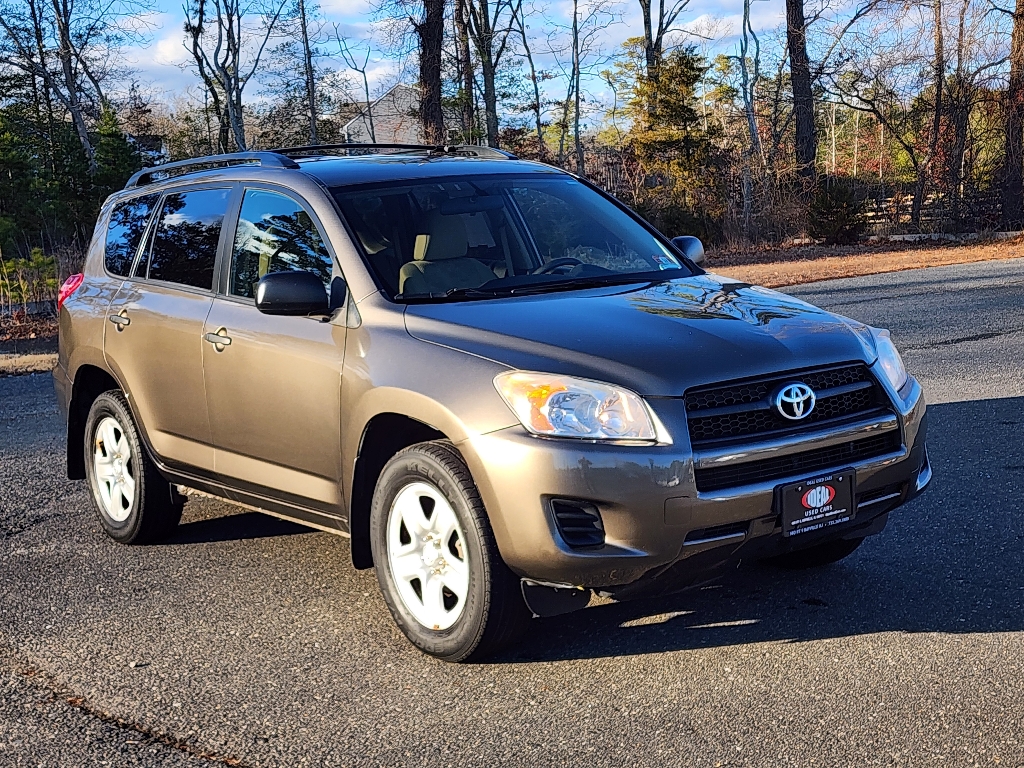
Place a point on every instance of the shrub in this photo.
(836, 214)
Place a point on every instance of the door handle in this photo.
(120, 320)
(218, 339)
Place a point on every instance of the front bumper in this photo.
(654, 518)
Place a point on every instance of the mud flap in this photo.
(545, 600)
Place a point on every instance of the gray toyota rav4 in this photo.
(503, 385)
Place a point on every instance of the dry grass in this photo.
(15, 365)
(774, 268)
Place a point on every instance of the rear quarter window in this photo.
(125, 231)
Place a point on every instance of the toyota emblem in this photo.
(795, 401)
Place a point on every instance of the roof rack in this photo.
(182, 167)
(465, 150)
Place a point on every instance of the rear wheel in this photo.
(437, 563)
(819, 555)
(134, 503)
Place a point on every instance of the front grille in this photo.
(737, 411)
(833, 457)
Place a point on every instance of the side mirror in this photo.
(291, 293)
(692, 248)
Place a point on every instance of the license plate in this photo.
(817, 503)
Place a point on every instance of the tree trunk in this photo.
(466, 65)
(369, 106)
(47, 94)
(918, 201)
(1013, 177)
(803, 99)
(939, 78)
(307, 62)
(237, 121)
(62, 16)
(577, 144)
(748, 83)
(959, 112)
(431, 38)
(856, 142)
(652, 47)
(482, 30)
(490, 100)
(541, 148)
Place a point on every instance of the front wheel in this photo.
(134, 503)
(436, 560)
(818, 555)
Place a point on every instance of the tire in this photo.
(817, 556)
(134, 503)
(431, 540)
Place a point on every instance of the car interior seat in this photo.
(439, 259)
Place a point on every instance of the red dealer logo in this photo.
(818, 496)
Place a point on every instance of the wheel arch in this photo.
(90, 382)
(383, 436)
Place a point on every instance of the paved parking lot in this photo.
(250, 641)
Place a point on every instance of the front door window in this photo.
(275, 234)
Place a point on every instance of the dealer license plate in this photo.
(817, 503)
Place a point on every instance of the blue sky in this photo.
(162, 63)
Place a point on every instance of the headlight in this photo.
(889, 359)
(563, 406)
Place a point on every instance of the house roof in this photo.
(362, 105)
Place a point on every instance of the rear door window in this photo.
(187, 233)
(275, 234)
(125, 231)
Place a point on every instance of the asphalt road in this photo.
(250, 641)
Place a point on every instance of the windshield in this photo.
(474, 237)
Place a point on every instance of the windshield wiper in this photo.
(486, 291)
(577, 283)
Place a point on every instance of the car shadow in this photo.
(951, 561)
(235, 527)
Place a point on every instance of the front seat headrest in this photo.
(445, 239)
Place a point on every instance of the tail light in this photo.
(69, 287)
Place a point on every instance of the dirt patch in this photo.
(26, 329)
(777, 267)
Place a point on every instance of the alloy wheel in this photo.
(114, 469)
(427, 556)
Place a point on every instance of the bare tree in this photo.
(352, 62)
(226, 50)
(465, 66)
(66, 48)
(307, 65)
(537, 104)
(749, 61)
(490, 22)
(659, 17)
(578, 52)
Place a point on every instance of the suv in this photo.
(503, 385)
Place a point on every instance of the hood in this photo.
(657, 340)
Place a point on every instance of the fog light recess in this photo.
(578, 522)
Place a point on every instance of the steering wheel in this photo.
(551, 266)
